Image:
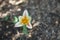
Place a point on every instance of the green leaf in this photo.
(6, 18)
(15, 19)
(25, 31)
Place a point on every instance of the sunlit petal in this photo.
(29, 26)
(18, 24)
(25, 13)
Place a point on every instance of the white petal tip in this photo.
(29, 26)
(18, 25)
(25, 13)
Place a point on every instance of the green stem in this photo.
(21, 38)
(25, 31)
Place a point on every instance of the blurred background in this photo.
(45, 19)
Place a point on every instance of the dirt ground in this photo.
(45, 19)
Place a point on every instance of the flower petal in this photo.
(25, 13)
(29, 18)
(20, 17)
(18, 24)
(29, 26)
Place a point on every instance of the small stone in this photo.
(33, 21)
(29, 35)
(18, 9)
(9, 32)
(7, 26)
(56, 22)
(36, 24)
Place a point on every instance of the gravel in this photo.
(45, 12)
